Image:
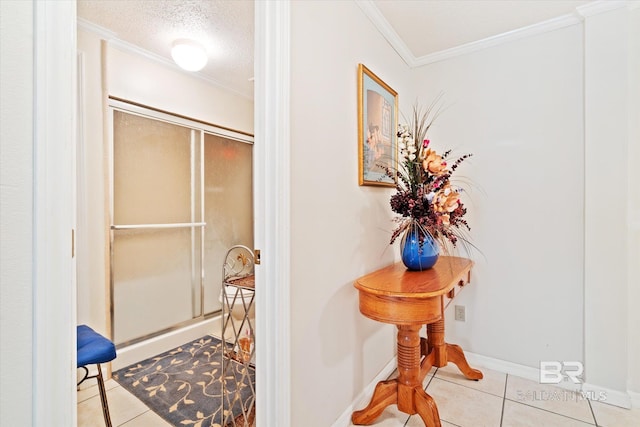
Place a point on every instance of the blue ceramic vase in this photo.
(417, 257)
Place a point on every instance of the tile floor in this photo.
(501, 400)
(498, 400)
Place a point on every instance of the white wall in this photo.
(634, 204)
(16, 193)
(613, 279)
(606, 224)
(111, 71)
(138, 79)
(339, 230)
(518, 108)
(558, 230)
(92, 232)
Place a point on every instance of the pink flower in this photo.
(425, 143)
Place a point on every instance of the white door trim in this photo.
(54, 293)
(272, 212)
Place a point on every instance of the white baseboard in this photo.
(609, 396)
(156, 345)
(635, 399)
(499, 365)
(345, 418)
(515, 369)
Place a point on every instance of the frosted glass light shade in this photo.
(189, 55)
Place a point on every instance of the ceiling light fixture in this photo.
(189, 55)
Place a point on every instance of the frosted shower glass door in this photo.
(228, 199)
(156, 258)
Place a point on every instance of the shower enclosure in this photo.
(181, 195)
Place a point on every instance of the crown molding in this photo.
(581, 12)
(387, 31)
(114, 41)
(520, 33)
(96, 29)
(603, 6)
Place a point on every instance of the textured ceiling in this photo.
(431, 26)
(225, 28)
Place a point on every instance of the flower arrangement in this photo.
(425, 197)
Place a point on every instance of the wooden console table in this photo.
(410, 299)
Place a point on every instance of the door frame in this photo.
(54, 291)
(272, 212)
(54, 308)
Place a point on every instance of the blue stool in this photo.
(92, 349)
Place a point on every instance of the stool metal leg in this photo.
(103, 397)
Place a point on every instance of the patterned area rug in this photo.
(184, 385)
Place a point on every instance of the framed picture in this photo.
(377, 123)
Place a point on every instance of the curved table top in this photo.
(396, 281)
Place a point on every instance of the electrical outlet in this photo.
(460, 313)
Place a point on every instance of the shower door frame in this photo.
(197, 126)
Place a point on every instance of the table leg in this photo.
(412, 398)
(427, 408)
(385, 394)
(444, 353)
(408, 366)
(406, 391)
(436, 344)
(456, 356)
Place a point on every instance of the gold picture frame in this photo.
(377, 128)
